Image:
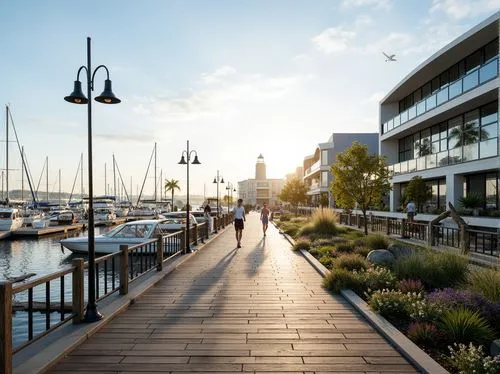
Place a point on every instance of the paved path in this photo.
(257, 309)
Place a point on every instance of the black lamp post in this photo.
(185, 161)
(230, 188)
(218, 179)
(77, 97)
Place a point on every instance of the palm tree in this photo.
(172, 185)
(469, 133)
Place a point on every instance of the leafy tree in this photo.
(418, 191)
(294, 192)
(359, 178)
(172, 185)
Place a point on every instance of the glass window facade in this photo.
(457, 71)
(438, 200)
(470, 72)
(324, 157)
(324, 179)
(485, 185)
(467, 137)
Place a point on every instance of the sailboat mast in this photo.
(59, 188)
(47, 177)
(114, 176)
(105, 181)
(156, 180)
(7, 152)
(22, 173)
(81, 176)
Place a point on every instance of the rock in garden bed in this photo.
(381, 257)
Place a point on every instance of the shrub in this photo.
(344, 248)
(423, 333)
(362, 251)
(354, 234)
(410, 285)
(376, 242)
(351, 262)
(339, 279)
(358, 243)
(285, 217)
(393, 304)
(434, 269)
(323, 222)
(463, 325)
(450, 298)
(377, 278)
(327, 250)
(315, 253)
(486, 282)
(471, 201)
(471, 359)
(325, 242)
(302, 244)
(327, 262)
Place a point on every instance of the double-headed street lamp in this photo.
(218, 179)
(230, 189)
(185, 161)
(77, 97)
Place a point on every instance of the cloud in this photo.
(379, 4)
(223, 96)
(460, 9)
(216, 76)
(363, 20)
(375, 97)
(334, 39)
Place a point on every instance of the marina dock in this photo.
(33, 232)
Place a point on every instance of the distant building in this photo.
(316, 167)
(298, 174)
(441, 122)
(261, 189)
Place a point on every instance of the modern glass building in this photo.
(441, 122)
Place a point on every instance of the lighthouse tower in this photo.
(260, 168)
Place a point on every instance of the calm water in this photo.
(40, 256)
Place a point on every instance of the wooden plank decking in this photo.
(257, 309)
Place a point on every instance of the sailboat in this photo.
(10, 218)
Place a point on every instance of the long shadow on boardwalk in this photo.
(255, 258)
(200, 287)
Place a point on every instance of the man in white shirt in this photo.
(411, 210)
(239, 218)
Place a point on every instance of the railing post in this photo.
(348, 219)
(124, 269)
(430, 235)
(387, 226)
(195, 235)
(202, 236)
(465, 242)
(159, 254)
(358, 221)
(183, 240)
(77, 304)
(6, 327)
(215, 224)
(370, 218)
(403, 229)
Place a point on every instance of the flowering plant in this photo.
(471, 359)
(391, 303)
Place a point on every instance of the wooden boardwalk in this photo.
(257, 309)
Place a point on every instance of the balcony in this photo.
(313, 168)
(471, 152)
(468, 82)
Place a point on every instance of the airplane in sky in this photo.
(389, 58)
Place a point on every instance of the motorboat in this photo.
(10, 219)
(61, 217)
(130, 233)
(104, 214)
(30, 216)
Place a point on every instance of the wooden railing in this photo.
(485, 242)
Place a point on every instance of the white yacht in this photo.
(104, 214)
(130, 233)
(10, 219)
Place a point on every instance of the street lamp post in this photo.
(230, 188)
(185, 161)
(218, 179)
(77, 97)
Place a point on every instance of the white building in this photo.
(261, 189)
(316, 166)
(441, 122)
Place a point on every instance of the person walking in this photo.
(411, 210)
(264, 217)
(239, 218)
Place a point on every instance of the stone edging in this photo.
(403, 345)
(42, 356)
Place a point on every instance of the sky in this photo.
(235, 78)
